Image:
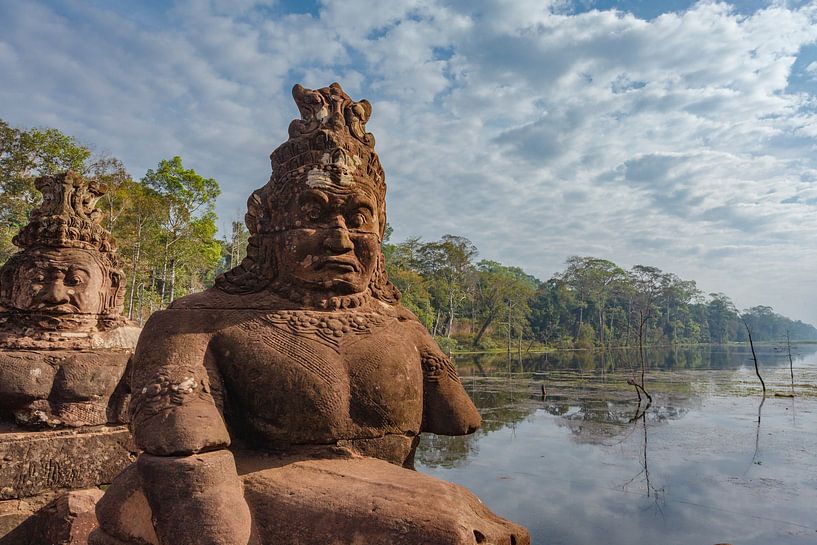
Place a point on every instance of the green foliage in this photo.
(186, 228)
(593, 302)
(25, 155)
(447, 344)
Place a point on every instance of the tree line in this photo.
(166, 231)
(592, 302)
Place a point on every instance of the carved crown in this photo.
(330, 135)
(67, 217)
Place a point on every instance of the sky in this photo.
(677, 134)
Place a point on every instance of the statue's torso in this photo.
(64, 378)
(308, 377)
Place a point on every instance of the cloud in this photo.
(537, 129)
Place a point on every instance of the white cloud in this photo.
(535, 131)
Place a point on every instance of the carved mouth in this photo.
(57, 309)
(339, 263)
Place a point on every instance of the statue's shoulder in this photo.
(201, 313)
(413, 326)
(215, 299)
(212, 298)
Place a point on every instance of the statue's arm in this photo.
(447, 408)
(188, 476)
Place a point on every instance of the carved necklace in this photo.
(308, 299)
(329, 328)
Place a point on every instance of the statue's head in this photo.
(66, 265)
(316, 227)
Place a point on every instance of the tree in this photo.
(502, 289)
(552, 310)
(448, 263)
(594, 280)
(722, 317)
(187, 227)
(138, 240)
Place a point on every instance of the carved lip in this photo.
(341, 263)
(57, 309)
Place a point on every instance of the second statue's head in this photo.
(67, 263)
(316, 227)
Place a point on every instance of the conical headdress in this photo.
(67, 217)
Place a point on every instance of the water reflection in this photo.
(566, 449)
(660, 358)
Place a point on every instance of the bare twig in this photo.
(754, 357)
(639, 389)
(791, 363)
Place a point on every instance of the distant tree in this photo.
(502, 290)
(594, 281)
(448, 264)
(188, 223)
(404, 266)
(138, 230)
(722, 318)
(552, 310)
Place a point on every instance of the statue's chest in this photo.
(324, 369)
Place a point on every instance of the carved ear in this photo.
(380, 285)
(115, 296)
(7, 279)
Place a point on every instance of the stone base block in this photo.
(353, 501)
(14, 512)
(37, 462)
(67, 520)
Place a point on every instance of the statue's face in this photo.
(60, 281)
(333, 245)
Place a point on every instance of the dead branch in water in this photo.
(639, 389)
(791, 363)
(754, 357)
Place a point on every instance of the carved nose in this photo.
(55, 294)
(337, 239)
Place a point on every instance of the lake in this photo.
(566, 450)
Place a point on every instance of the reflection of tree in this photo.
(656, 493)
(447, 452)
(757, 434)
(598, 415)
(658, 358)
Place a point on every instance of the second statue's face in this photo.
(333, 244)
(63, 281)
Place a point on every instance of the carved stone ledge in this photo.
(34, 462)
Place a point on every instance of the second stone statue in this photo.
(284, 405)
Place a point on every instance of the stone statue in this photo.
(63, 343)
(64, 350)
(284, 405)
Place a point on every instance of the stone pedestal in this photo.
(350, 500)
(35, 466)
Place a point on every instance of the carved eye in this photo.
(72, 280)
(357, 220)
(312, 212)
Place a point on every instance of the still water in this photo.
(566, 450)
